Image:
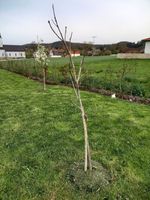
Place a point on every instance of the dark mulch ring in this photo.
(130, 98)
(90, 181)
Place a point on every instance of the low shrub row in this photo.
(59, 75)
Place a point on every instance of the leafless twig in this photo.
(75, 76)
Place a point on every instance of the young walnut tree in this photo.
(75, 75)
(41, 57)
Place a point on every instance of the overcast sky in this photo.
(109, 20)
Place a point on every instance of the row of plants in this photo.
(116, 81)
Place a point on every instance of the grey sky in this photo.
(109, 20)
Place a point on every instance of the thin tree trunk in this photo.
(87, 162)
(44, 79)
(75, 77)
(120, 86)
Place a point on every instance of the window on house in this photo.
(15, 54)
(9, 54)
(20, 54)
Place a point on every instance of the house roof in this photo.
(75, 52)
(13, 48)
(146, 39)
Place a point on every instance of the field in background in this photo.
(102, 72)
(41, 135)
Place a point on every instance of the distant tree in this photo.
(107, 52)
(97, 52)
(87, 49)
(41, 57)
(122, 47)
(30, 49)
(125, 70)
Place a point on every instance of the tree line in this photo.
(89, 49)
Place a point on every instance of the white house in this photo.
(54, 54)
(11, 51)
(147, 46)
(145, 55)
(2, 50)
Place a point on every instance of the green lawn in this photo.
(99, 72)
(41, 135)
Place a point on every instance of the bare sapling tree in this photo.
(75, 76)
(41, 57)
(122, 73)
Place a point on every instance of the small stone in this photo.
(113, 96)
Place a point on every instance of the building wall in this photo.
(2, 53)
(75, 54)
(133, 56)
(56, 56)
(147, 47)
(1, 42)
(15, 54)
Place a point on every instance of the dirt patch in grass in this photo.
(91, 181)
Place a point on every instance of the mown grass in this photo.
(41, 136)
(98, 72)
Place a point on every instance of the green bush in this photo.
(137, 90)
(91, 81)
(130, 79)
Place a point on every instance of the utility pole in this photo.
(93, 39)
(93, 42)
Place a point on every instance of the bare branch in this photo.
(70, 36)
(65, 35)
(54, 14)
(82, 61)
(75, 90)
(54, 22)
(76, 105)
(70, 41)
(80, 69)
(54, 30)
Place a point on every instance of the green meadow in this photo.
(102, 72)
(41, 135)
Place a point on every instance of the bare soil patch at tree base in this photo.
(90, 181)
